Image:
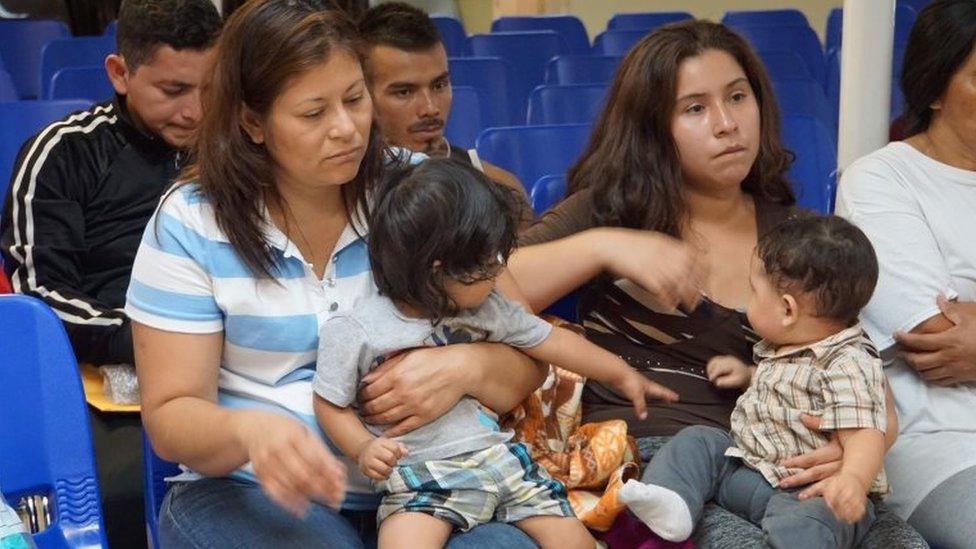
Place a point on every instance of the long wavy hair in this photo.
(264, 45)
(631, 163)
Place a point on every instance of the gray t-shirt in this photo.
(350, 345)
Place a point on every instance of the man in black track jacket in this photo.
(80, 195)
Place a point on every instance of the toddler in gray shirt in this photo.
(440, 233)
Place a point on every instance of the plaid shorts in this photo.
(498, 483)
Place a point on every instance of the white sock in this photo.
(662, 510)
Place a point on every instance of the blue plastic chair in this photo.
(155, 471)
(89, 83)
(784, 65)
(46, 448)
(582, 69)
(531, 152)
(21, 119)
(805, 96)
(645, 21)
(904, 19)
(617, 42)
(464, 123)
(776, 18)
(491, 77)
(84, 51)
(568, 26)
(548, 191)
(453, 36)
(7, 90)
(21, 41)
(527, 53)
(801, 40)
(814, 171)
(571, 104)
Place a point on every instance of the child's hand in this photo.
(728, 372)
(637, 388)
(845, 495)
(380, 455)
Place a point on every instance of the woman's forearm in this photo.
(499, 376)
(891, 429)
(199, 434)
(546, 272)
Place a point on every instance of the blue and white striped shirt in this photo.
(187, 278)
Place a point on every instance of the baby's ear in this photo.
(789, 309)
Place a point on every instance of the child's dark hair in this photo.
(444, 211)
(827, 257)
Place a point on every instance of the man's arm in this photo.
(44, 245)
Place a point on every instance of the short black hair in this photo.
(941, 39)
(145, 25)
(398, 25)
(441, 210)
(826, 256)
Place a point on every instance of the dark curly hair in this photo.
(440, 211)
(145, 25)
(825, 256)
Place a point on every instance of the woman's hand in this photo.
(292, 464)
(665, 267)
(947, 357)
(845, 496)
(818, 464)
(413, 389)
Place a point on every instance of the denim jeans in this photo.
(220, 512)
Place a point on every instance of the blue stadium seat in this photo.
(7, 90)
(22, 119)
(155, 471)
(89, 83)
(84, 51)
(46, 448)
(464, 123)
(570, 104)
(801, 40)
(777, 18)
(814, 172)
(805, 96)
(617, 42)
(645, 21)
(784, 64)
(527, 53)
(453, 36)
(531, 152)
(568, 26)
(904, 19)
(548, 191)
(21, 41)
(491, 78)
(582, 69)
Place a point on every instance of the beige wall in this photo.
(478, 14)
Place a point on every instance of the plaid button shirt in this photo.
(838, 378)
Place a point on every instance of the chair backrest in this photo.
(464, 123)
(527, 53)
(452, 33)
(801, 40)
(570, 104)
(83, 51)
(547, 192)
(21, 41)
(154, 474)
(46, 447)
(617, 42)
(904, 19)
(491, 77)
(568, 26)
(531, 152)
(8, 92)
(814, 172)
(780, 18)
(784, 64)
(805, 96)
(89, 83)
(645, 21)
(21, 119)
(582, 69)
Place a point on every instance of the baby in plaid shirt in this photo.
(810, 278)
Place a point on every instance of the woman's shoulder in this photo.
(187, 205)
(890, 165)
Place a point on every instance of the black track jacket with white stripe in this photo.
(81, 193)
